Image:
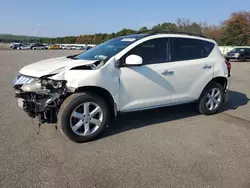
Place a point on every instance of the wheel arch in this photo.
(219, 79)
(104, 93)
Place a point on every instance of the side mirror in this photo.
(133, 60)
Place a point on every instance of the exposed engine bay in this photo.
(41, 98)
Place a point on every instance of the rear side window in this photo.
(188, 49)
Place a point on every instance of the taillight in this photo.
(228, 67)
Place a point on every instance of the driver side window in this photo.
(152, 51)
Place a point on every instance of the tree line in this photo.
(233, 31)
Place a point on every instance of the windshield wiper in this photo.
(72, 56)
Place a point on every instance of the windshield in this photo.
(106, 50)
(238, 50)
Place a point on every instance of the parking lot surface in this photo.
(167, 147)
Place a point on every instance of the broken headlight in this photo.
(52, 84)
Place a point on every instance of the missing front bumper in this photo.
(42, 106)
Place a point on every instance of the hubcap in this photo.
(86, 119)
(213, 99)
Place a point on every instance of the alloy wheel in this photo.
(213, 99)
(86, 118)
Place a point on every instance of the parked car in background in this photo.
(16, 46)
(46, 46)
(37, 47)
(240, 54)
(79, 48)
(54, 47)
(82, 92)
(88, 47)
(23, 47)
(69, 47)
(62, 47)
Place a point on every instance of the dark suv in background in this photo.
(240, 54)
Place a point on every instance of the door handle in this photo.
(207, 67)
(167, 73)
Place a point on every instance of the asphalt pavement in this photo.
(167, 147)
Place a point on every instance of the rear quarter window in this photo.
(188, 49)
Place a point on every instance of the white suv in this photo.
(129, 73)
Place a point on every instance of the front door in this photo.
(146, 86)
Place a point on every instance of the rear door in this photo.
(190, 66)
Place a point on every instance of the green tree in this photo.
(125, 31)
(187, 25)
(165, 26)
(143, 29)
(236, 29)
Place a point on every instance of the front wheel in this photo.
(211, 99)
(83, 116)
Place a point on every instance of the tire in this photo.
(204, 99)
(72, 104)
(241, 59)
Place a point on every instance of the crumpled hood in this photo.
(53, 65)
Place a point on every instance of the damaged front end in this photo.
(40, 97)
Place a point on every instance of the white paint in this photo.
(52, 65)
(139, 87)
(133, 60)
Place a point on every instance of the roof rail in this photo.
(154, 32)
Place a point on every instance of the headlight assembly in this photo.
(49, 84)
(33, 87)
(21, 80)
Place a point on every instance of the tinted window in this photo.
(187, 49)
(152, 51)
(237, 50)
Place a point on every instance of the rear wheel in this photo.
(83, 116)
(211, 99)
